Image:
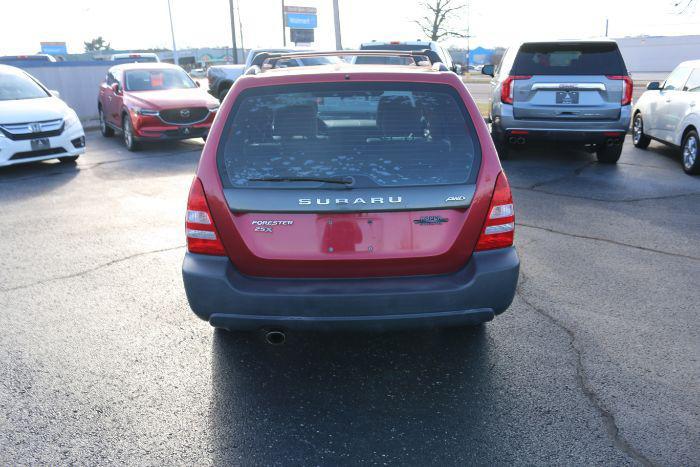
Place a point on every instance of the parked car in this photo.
(349, 197)
(670, 113)
(198, 73)
(135, 57)
(404, 46)
(10, 59)
(573, 91)
(35, 124)
(222, 77)
(153, 102)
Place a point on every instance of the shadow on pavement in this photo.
(54, 174)
(414, 397)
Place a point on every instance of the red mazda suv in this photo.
(349, 196)
(153, 102)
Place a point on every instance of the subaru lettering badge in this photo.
(184, 113)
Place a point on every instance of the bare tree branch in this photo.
(440, 14)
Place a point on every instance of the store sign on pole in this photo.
(304, 36)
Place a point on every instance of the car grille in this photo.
(31, 130)
(39, 153)
(184, 116)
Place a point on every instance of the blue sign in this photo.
(54, 48)
(300, 21)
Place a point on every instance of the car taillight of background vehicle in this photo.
(499, 228)
(507, 88)
(202, 236)
(627, 87)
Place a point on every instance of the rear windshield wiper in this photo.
(340, 181)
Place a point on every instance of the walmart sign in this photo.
(300, 20)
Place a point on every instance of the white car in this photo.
(670, 113)
(35, 125)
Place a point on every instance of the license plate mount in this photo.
(567, 97)
(39, 144)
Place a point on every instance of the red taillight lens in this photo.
(507, 88)
(500, 223)
(627, 87)
(202, 236)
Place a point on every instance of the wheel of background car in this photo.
(105, 129)
(638, 137)
(68, 159)
(608, 154)
(691, 158)
(128, 134)
(502, 147)
(223, 93)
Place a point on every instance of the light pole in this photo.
(284, 35)
(336, 21)
(233, 33)
(172, 33)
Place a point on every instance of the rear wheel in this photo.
(638, 137)
(105, 129)
(68, 159)
(128, 134)
(608, 154)
(502, 147)
(691, 161)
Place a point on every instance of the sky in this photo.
(134, 24)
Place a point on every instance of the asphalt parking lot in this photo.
(596, 362)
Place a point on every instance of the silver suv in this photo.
(574, 91)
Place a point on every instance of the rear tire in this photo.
(691, 158)
(68, 159)
(223, 92)
(105, 129)
(608, 154)
(128, 134)
(638, 137)
(502, 147)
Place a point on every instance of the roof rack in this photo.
(268, 60)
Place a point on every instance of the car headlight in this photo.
(146, 112)
(71, 119)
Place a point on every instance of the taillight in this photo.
(499, 227)
(202, 236)
(507, 88)
(627, 87)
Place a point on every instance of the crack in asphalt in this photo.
(89, 270)
(576, 172)
(584, 385)
(613, 242)
(90, 166)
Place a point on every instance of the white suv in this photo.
(670, 113)
(35, 125)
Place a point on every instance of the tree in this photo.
(97, 44)
(682, 6)
(438, 19)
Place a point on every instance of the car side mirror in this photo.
(457, 68)
(55, 93)
(198, 84)
(653, 86)
(115, 88)
(488, 70)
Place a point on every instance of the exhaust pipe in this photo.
(275, 337)
(512, 140)
(521, 140)
(611, 142)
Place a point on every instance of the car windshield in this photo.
(366, 60)
(376, 134)
(157, 79)
(16, 86)
(569, 59)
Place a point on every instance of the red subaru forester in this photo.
(349, 196)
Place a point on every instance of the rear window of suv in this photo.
(380, 134)
(569, 59)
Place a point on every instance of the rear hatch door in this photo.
(568, 81)
(349, 179)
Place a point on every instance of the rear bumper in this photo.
(221, 295)
(568, 136)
